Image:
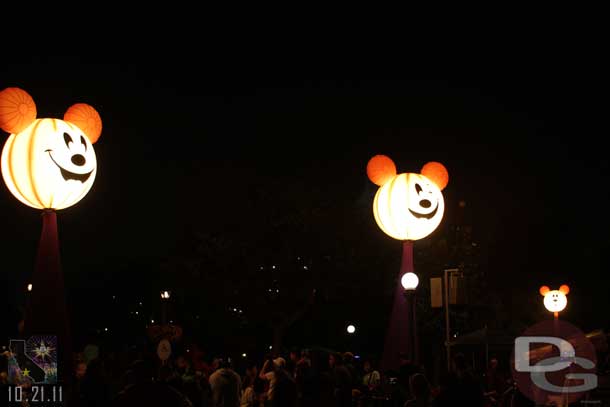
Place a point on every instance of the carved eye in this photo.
(418, 188)
(82, 141)
(67, 139)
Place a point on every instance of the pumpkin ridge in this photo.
(31, 162)
(9, 160)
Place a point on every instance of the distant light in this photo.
(277, 291)
(114, 297)
(351, 329)
(305, 268)
(357, 357)
(152, 321)
(273, 267)
(140, 304)
(106, 329)
(188, 350)
(171, 322)
(29, 287)
(555, 300)
(409, 281)
(270, 347)
(234, 309)
(136, 312)
(165, 295)
(243, 355)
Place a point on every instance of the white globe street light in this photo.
(409, 281)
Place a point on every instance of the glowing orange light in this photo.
(437, 173)
(380, 169)
(17, 110)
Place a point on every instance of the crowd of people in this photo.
(300, 378)
(304, 378)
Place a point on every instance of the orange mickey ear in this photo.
(17, 110)
(86, 118)
(564, 289)
(437, 173)
(544, 289)
(380, 169)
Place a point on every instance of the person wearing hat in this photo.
(282, 389)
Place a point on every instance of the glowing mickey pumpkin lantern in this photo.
(407, 206)
(47, 163)
(555, 300)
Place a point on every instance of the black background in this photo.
(187, 147)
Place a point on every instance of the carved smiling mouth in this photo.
(424, 215)
(69, 175)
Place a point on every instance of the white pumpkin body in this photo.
(408, 207)
(51, 164)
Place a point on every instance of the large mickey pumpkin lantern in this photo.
(407, 207)
(48, 164)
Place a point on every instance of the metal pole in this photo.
(447, 333)
(415, 331)
(486, 352)
(411, 340)
(447, 325)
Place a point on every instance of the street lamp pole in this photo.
(164, 299)
(409, 282)
(412, 339)
(447, 274)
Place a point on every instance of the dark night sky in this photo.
(188, 146)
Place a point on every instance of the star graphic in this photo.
(43, 351)
(26, 372)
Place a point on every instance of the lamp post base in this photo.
(46, 313)
(399, 336)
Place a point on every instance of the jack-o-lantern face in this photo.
(555, 300)
(50, 164)
(425, 199)
(407, 206)
(72, 153)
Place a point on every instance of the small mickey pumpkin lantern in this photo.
(407, 206)
(47, 163)
(555, 300)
